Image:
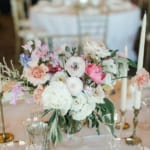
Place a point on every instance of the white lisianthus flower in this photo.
(95, 95)
(95, 50)
(82, 107)
(75, 66)
(74, 85)
(98, 95)
(79, 102)
(59, 76)
(110, 66)
(57, 96)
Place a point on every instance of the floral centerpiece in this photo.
(71, 85)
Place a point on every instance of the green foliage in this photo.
(104, 113)
(132, 63)
(55, 134)
(114, 53)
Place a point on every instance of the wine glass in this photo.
(145, 121)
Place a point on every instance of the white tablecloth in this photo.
(122, 25)
(16, 115)
(87, 138)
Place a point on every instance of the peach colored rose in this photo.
(95, 73)
(142, 78)
(37, 75)
(37, 94)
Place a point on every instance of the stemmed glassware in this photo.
(145, 121)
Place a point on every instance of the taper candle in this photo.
(137, 103)
(124, 87)
(142, 44)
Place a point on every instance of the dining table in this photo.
(120, 28)
(16, 118)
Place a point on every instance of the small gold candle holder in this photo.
(125, 124)
(134, 139)
(4, 137)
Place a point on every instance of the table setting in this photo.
(63, 98)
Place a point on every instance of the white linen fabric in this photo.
(122, 26)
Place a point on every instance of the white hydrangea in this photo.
(75, 66)
(75, 85)
(57, 96)
(84, 112)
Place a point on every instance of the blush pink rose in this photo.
(95, 73)
(37, 94)
(37, 75)
(142, 78)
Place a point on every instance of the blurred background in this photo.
(116, 23)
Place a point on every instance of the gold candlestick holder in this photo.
(4, 136)
(125, 124)
(134, 139)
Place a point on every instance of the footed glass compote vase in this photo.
(116, 139)
(70, 138)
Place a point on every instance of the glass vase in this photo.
(71, 138)
(38, 136)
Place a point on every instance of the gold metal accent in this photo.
(126, 126)
(4, 137)
(133, 139)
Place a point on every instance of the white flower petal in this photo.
(74, 85)
(75, 66)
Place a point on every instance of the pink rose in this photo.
(37, 74)
(95, 73)
(142, 78)
(37, 94)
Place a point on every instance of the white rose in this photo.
(59, 76)
(74, 85)
(75, 66)
(78, 102)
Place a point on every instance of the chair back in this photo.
(95, 26)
